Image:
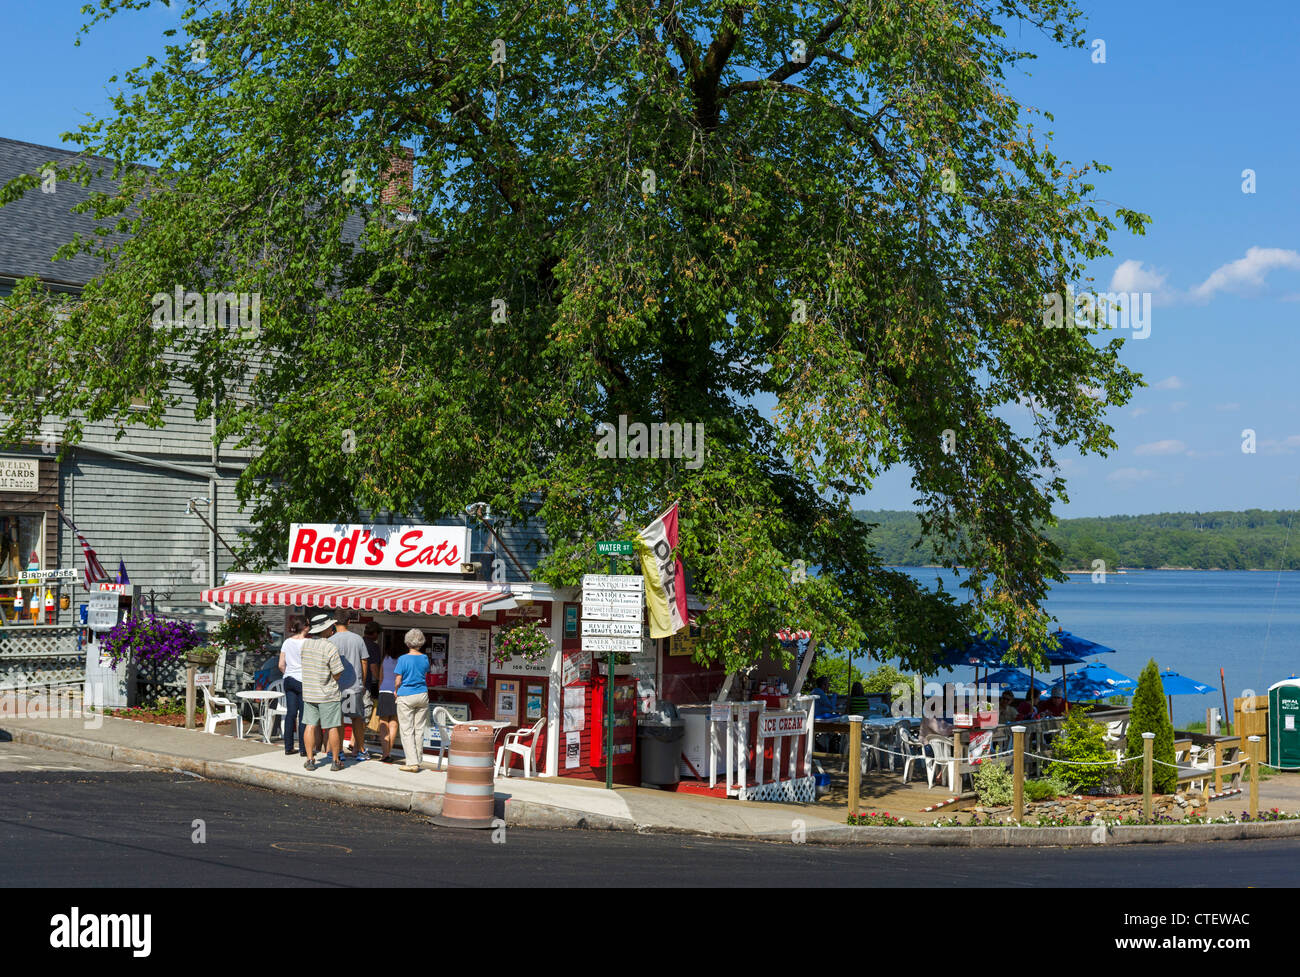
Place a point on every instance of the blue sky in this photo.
(1190, 95)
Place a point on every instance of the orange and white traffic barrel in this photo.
(470, 793)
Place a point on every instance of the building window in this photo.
(22, 548)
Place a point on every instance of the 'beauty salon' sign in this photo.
(411, 549)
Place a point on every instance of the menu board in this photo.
(467, 658)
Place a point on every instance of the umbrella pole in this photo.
(1065, 692)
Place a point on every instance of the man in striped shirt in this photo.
(322, 702)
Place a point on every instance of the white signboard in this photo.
(19, 475)
(467, 658)
(613, 612)
(611, 644)
(575, 708)
(202, 678)
(572, 750)
(781, 724)
(623, 629)
(68, 574)
(101, 611)
(369, 546)
(613, 581)
(603, 595)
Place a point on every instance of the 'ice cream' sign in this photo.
(413, 549)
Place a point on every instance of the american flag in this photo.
(94, 572)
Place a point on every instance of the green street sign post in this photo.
(614, 547)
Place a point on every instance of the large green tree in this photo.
(823, 231)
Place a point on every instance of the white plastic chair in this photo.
(444, 720)
(941, 748)
(280, 710)
(515, 744)
(912, 750)
(217, 709)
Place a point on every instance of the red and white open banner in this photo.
(665, 577)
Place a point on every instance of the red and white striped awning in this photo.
(392, 598)
(788, 635)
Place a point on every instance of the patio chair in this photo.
(217, 709)
(912, 750)
(941, 750)
(279, 711)
(515, 743)
(443, 720)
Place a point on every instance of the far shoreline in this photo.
(1088, 573)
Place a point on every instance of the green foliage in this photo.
(1082, 741)
(1249, 540)
(633, 216)
(883, 679)
(835, 667)
(526, 640)
(993, 783)
(243, 629)
(1150, 714)
(1045, 789)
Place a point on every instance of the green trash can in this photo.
(1284, 724)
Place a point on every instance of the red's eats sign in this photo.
(428, 549)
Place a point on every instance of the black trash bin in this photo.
(661, 748)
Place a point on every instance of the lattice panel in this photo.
(16, 643)
(16, 672)
(800, 791)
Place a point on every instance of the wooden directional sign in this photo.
(611, 629)
(614, 548)
(610, 612)
(611, 644)
(613, 581)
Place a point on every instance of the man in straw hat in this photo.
(322, 701)
(409, 682)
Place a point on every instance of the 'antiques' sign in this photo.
(19, 474)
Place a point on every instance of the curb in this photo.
(530, 814)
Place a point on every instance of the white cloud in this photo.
(1139, 411)
(1246, 273)
(1168, 383)
(1287, 446)
(1133, 276)
(1167, 447)
(1130, 476)
(1178, 405)
(1227, 407)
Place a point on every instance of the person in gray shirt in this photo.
(352, 686)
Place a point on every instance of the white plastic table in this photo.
(261, 700)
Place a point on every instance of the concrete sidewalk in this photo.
(549, 803)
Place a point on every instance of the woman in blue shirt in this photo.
(412, 690)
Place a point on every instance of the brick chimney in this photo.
(400, 176)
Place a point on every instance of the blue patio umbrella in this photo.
(981, 650)
(1015, 680)
(1175, 684)
(1095, 673)
(1082, 687)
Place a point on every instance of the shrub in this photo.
(993, 783)
(1081, 741)
(1149, 715)
(1040, 790)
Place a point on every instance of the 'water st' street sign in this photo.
(614, 548)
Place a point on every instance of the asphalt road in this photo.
(76, 822)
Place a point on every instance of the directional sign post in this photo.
(612, 607)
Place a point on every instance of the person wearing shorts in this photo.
(352, 687)
(386, 700)
(322, 701)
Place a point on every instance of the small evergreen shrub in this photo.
(993, 783)
(1150, 715)
(1082, 741)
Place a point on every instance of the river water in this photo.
(1193, 621)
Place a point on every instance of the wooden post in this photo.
(855, 758)
(1148, 746)
(189, 696)
(1254, 776)
(1218, 764)
(954, 775)
(1018, 772)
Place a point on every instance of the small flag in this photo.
(94, 572)
(121, 572)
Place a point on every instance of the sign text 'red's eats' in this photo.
(428, 549)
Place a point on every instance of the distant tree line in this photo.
(1256, 539)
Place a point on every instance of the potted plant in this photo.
(525, 640)
(150, 640)
(242, 630)
(203, 656)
